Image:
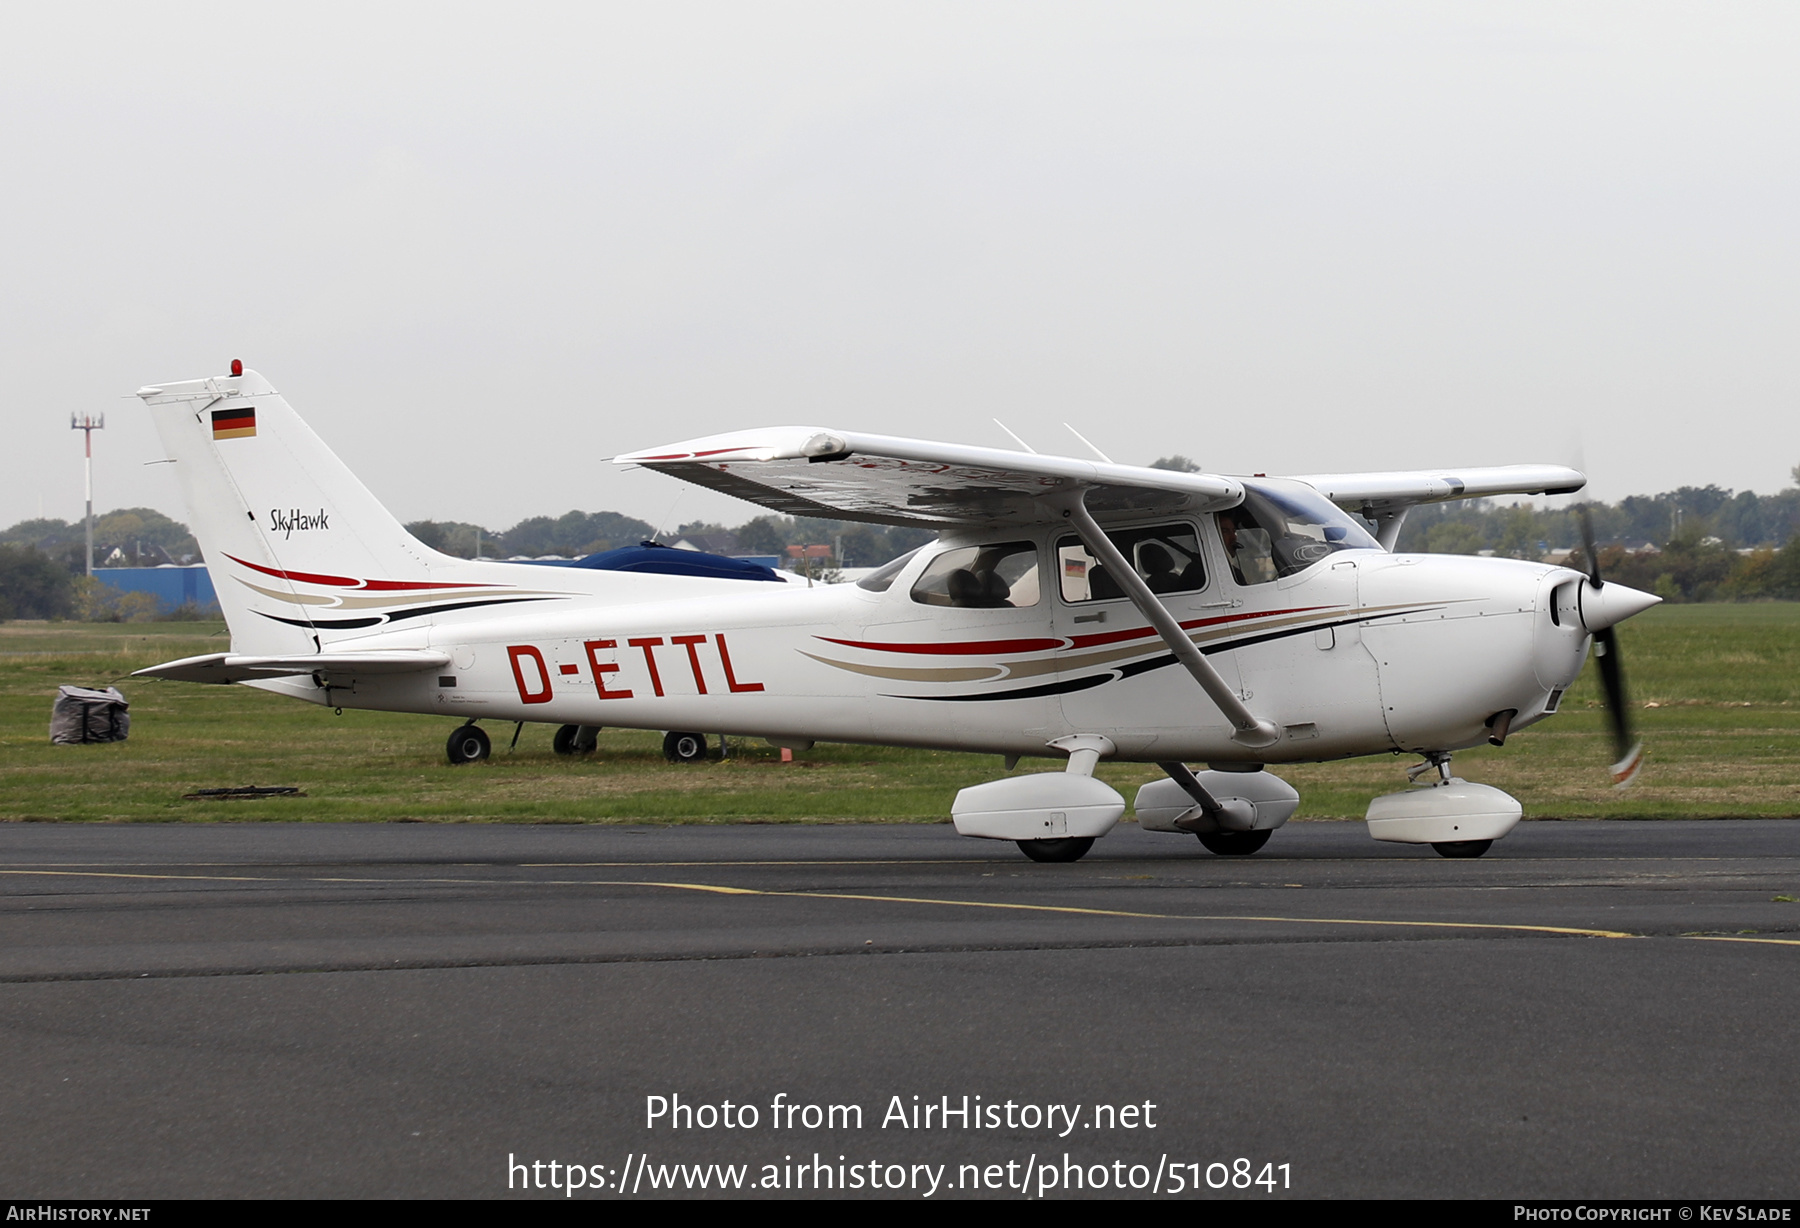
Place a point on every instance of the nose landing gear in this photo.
(1462, 848)
(1456, 818)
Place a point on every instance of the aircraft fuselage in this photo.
(1362, 653)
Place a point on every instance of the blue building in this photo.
(171, 586)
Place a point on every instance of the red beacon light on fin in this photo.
(237, 366)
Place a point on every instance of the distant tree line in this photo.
(1739, 521)
(43, 573)
(571, 535)
(128, 537)
(852, 543)
(575, 534)
(1698, 543)
(35, 585)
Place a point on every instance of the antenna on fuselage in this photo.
(668, 515)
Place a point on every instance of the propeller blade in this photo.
(1587, 543)
(1627, 750)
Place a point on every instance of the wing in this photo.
(1379, 492)
(1385, 498)
(843, 475)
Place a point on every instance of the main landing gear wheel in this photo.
(684, 747)
(574, 739)
(468, 745)
(1070, 848)
(1462, 848)
(1233, 843)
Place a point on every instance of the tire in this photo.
(1069, 848)
(681, 747)
(468, 744)
(575, 739)
(1462, 848)
(1234, 843)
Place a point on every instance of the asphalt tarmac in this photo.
(1592, 1010)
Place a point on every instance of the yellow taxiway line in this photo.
(1147, 916)
(719, 889)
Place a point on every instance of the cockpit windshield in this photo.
(1284, 527)
(882, 578)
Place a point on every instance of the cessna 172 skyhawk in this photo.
(1068, 608)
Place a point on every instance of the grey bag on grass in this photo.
(81, 715)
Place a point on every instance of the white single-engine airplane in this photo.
(1068, 608)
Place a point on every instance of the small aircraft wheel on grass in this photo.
(1070, 848)
(467, 745)
(1234, 843)
(681, 747)
(1462, 848)
(575, 739)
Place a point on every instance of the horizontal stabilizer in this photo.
(235, 667)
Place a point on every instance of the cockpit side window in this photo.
(882, 578)
(1167, 556)
(1283, 528)
(981, 577)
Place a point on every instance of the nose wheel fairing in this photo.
(1450, 812)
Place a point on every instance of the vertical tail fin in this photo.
(280, 518)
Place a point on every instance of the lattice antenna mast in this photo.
(87, 424)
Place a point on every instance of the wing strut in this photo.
(1251, 732)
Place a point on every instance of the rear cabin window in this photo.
(981, 577)
(1167, 556)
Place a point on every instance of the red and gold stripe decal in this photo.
(379, 586)
(959, 648)
(963, 648)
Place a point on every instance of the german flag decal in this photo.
(234, 423)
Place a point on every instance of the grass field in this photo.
(1717, 689)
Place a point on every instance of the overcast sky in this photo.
(483, 248)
